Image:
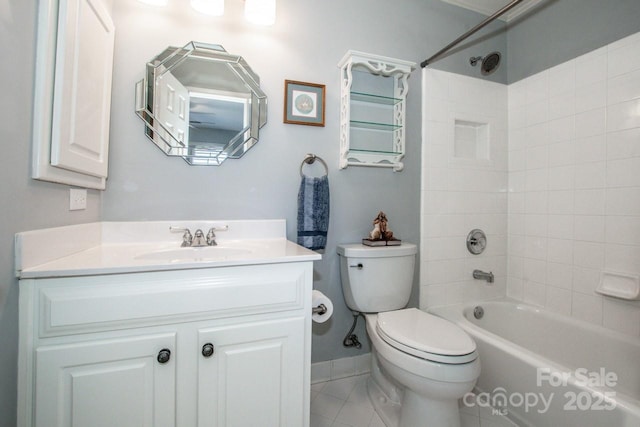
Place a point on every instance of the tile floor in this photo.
(344, 403)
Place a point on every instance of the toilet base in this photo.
(414, 411)
(418, 411)
(387, 409)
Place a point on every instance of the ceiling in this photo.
(489, 7)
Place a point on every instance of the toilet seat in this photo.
(426, 336)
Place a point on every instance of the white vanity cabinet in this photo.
(226, 346)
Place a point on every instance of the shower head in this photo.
(489, 63)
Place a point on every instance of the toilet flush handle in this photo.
(359, 266)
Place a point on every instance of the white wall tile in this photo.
(589, 228)
(590, 149)
(589, 202)
(590, 175)
(588, 254)
(560, 226)
(623, 144)
(585, 280)
(536, 157)
(535, 293)
(591, 96)
(622, 258)
(463, 193)
(587, 192)
(562, 78)
(625, 115)
(562, 129)
(592, 122)
(573, 202)
(623, 58)
(587, 308)
(621, 316)
(562, 105)
(563, 178)
(623, 230)
(536, 202)
(623, 201)
(591, 67)
(562, 153)
(623, 88)
(560, 251)
(623, 172)
(560, 202)
(536, 180)
(537, 112)
(558, 300)
(559, 275)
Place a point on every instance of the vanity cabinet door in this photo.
(254, 376)
(124, 382)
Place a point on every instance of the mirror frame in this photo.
(163, 138)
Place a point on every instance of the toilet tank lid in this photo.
(358, 250)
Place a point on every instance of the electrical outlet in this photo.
(77, 199)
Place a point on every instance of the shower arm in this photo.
(478, 27)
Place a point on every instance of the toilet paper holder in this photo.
(321, 309)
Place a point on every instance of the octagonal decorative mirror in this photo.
(201, 103)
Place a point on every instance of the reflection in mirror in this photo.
(201, 103)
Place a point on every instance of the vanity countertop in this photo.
(131, 247)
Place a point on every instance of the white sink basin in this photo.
(195, 254)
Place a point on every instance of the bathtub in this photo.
(543, 369)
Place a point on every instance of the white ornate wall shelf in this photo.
(372, 110)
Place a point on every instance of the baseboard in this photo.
(340, 368)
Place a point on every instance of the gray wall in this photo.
(26, 204)
(306, 44)
(560, 30)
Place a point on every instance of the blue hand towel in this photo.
(313, 212)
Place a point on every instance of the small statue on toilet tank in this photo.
(381, 235)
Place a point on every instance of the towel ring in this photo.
(309, 159)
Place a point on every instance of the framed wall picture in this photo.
(304, 103)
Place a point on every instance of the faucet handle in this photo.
(187, 238)
(211, 237)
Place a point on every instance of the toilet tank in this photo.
(376, 278)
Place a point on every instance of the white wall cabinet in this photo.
(215, 347)
(72, 95)
(373, 91)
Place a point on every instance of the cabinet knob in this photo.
(164, 355)
(208, 349)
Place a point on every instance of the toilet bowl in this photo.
(421, 364)
(430, 388)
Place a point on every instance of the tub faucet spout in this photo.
(482, 275)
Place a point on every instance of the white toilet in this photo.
(421, 364)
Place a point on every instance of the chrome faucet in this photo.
(482, 275)
(198, 239)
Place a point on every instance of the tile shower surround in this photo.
(566, 186)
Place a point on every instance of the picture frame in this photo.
(304, 103)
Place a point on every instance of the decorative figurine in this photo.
(380, 235)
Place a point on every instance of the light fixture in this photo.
(261, 12)
(209, 7)
(155, 2)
